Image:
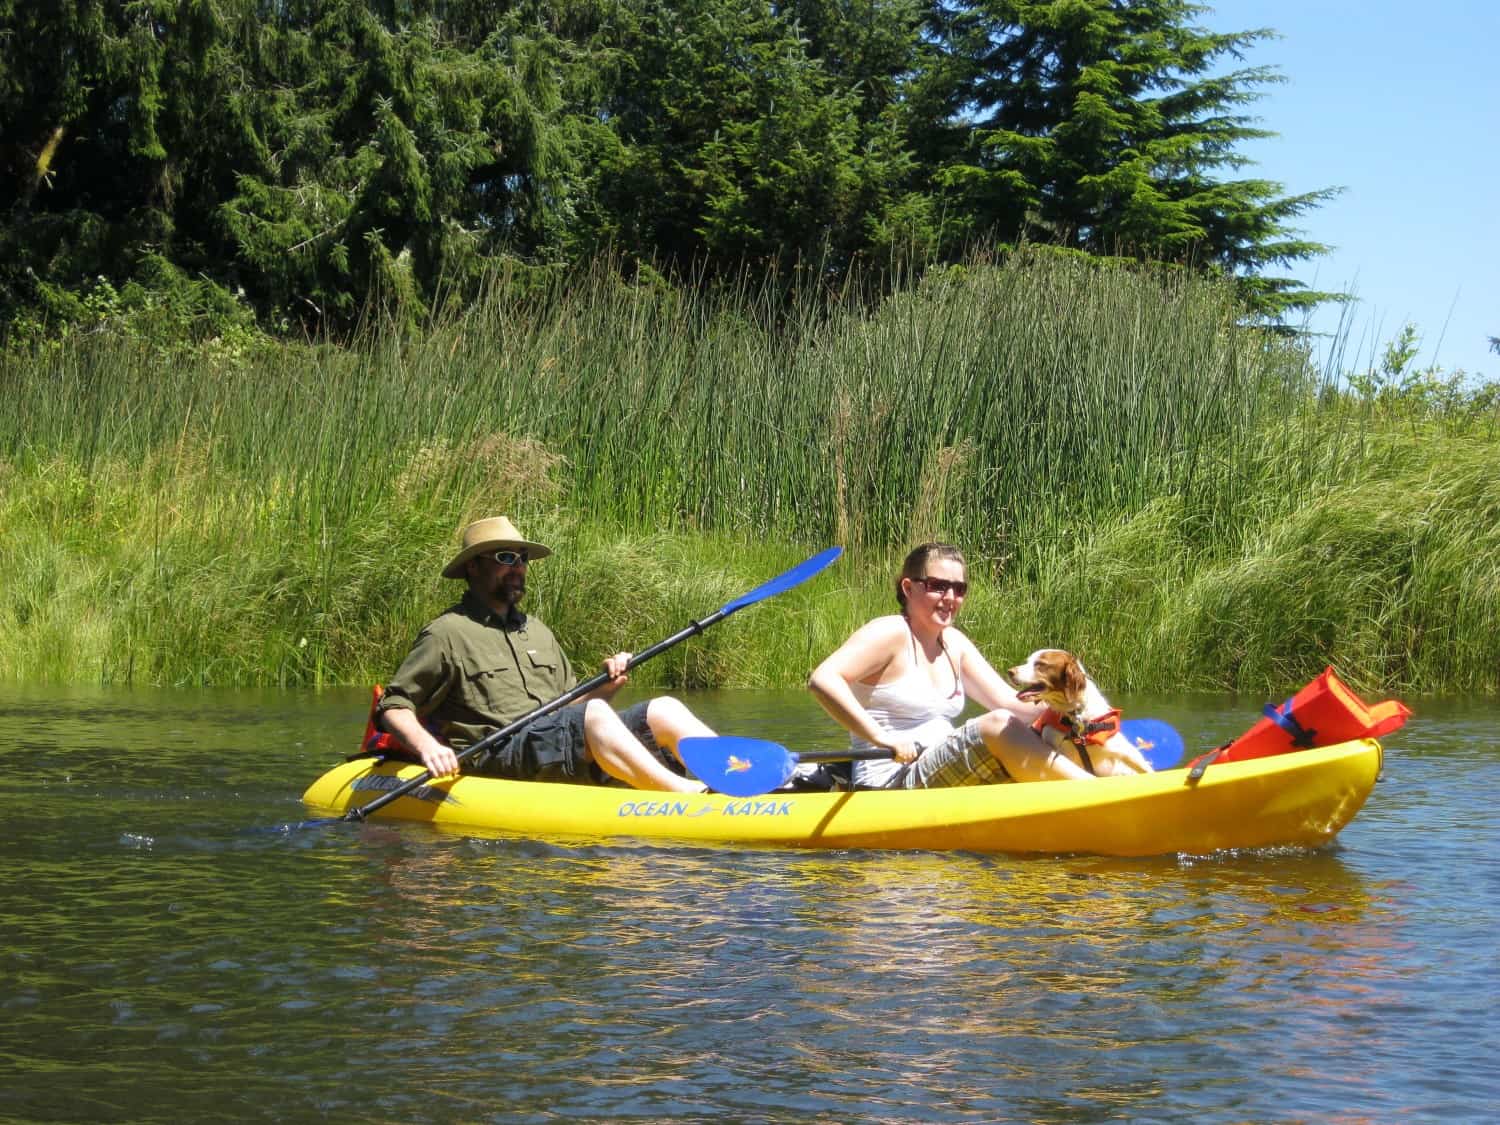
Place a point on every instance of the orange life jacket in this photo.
(1095, 732)
(381, 742)
(1324, 713)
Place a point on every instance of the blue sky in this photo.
(1399, 104)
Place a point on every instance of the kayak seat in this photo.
(820, 777)
(379, 742)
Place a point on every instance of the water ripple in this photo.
(176, 950)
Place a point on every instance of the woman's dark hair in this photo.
(915, 565)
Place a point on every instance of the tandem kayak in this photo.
(1297, 799)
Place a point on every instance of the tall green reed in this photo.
(1123, 461)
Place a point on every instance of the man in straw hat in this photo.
(483, 664)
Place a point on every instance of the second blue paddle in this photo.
(748, 767)
(1157, 740)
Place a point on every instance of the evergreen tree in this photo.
(868, 46)
(876, 51)
(408, 152)
(110, 115)
(734, 144)
(311, 155)
(1103, 125)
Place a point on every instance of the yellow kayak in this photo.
(1299, 799)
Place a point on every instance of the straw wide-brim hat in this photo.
(494, 534)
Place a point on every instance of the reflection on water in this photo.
(170, 954)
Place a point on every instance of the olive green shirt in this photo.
(472, 671)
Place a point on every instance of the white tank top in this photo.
(909, 705)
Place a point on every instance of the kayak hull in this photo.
(1300, 799)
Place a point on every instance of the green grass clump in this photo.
(1391, 574)
(1132, 473)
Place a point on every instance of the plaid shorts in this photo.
(960, 759)
(553, 748)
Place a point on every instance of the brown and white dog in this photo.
(1079, 721)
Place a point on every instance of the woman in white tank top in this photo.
(900, 682)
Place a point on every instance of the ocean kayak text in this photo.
(691, 809)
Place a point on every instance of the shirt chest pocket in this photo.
(539, 663)
(493, 686)
(502, 688)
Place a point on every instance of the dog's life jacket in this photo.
(1094, 732)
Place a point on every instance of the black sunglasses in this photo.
(941, 586)
(509, 558)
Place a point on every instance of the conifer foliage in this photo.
(1108, 127)
(309, 162)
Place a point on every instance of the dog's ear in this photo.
(1074, 680)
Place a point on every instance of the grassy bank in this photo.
(1184, 501)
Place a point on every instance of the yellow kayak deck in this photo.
(1297, 799)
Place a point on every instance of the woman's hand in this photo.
(904, 750)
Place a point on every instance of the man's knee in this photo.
(665, 711)
(601, 722)
(670, 721)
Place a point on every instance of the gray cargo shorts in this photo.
(553, 748)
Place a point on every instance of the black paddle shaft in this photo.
(869, 754)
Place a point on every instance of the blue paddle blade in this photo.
(794, 577)
(738, 767)
(1158, 741)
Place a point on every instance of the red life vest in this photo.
(1095, 732)
(1324, 713)
(377, 740)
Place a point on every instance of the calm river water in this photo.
(173, 948)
